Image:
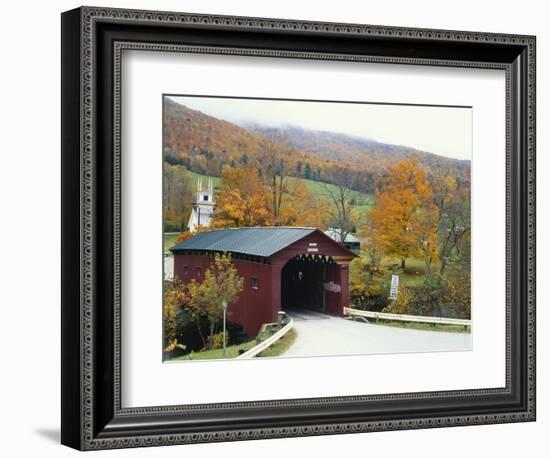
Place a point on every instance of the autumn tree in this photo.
(397, 227)
(371, 248)
(344, 219)
(316, 211)
(276, 171)
(175, 297)
(241, 200)
(170, 308)
(444, 188)
(176, 197)
(425, 223)
(304, 208)
(221, 283)
(458, 293)
(366, 291)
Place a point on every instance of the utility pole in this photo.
(224, 324)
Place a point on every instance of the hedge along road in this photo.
(325, 335)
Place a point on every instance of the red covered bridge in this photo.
(282, 267)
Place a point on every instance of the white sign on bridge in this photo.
(332, 287)
(394, 288)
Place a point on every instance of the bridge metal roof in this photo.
(256, 241)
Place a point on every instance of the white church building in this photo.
(203, 207)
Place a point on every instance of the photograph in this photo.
(308, 228)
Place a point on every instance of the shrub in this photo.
(172, 226)
(367, 292)
(458, 293)
(437, 296)
(215, 341)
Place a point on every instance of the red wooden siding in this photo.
(254, 306)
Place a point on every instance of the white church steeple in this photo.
(203, 207)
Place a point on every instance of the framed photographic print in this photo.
(277, 228)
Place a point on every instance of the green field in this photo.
(205, 178)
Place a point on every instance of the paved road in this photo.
(324, 335)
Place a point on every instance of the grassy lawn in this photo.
(232, 351)
(423, 326)
(412, 275)
(317, 187)
(279, 347)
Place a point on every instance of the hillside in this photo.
(356, 150)
(204, 144)
(194, 137)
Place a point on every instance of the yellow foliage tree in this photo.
(222, 283)
(241, 200)
(398, 228)
(303, 208)
(174, 298)
(361, 281)
(317, 211)
(444, 189)
(425, 222)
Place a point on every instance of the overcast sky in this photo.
(446, 131)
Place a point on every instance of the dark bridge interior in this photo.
(302, 284)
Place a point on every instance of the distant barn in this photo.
(350, 242)
(282, 267)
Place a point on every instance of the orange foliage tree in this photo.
(244, 200)
(241, 200)
(303, 208)
(404, 222)
(425, 222)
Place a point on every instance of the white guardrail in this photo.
(267, 342)
(399, 317)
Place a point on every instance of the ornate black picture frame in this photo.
(92, 42)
